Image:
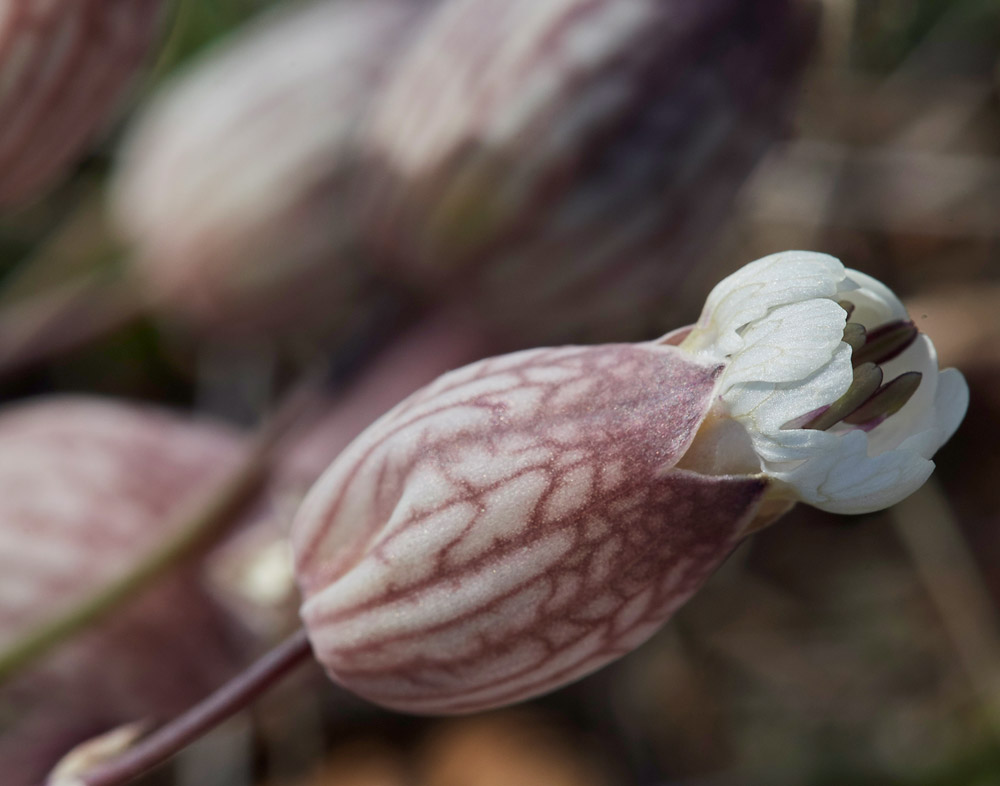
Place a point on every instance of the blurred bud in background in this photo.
(232, 185)
(86, 488)
(64, 66)
(561, 162)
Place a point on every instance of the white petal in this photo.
(768, 407)
(944, 417)
(864, 484)
(749, 293)
(777, 326)
(917, 415)
(793, 342)
(790, 448)
(875, 303)
(950, 404)
(841, 477)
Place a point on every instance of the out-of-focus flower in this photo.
(64, 66)
(86, 488)
(524, 520)
(232, 186)
(561, 163)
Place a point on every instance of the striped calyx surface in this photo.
(233, 185)
(64, 66)
(514, 526)
(85, 489)
(562, 162)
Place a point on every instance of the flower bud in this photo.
(232, 185)
(524, 520)
(515, 525)
(64, 66)
(86, 488)
(562, 162)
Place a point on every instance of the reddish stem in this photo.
(204, 716)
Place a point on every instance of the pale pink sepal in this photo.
(514, 526)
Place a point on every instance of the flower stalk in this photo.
(200, 719)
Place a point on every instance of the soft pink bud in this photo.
(86, 488)
(514, 526)
(233, 185)
(564, 162)
(64, 65)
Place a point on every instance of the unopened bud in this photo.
(563, 162)
(86, 488)
(233, 185)
(64, 66)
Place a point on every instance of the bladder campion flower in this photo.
(836, 394)
(526, 519)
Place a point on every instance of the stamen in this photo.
(867, 378)
(889, 399)
(886, 342)
(855, 335)
(847, 305)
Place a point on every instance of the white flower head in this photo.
(836, 390)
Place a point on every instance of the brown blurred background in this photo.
(827, 650)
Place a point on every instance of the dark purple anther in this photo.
(889, 399)
(886, 342)
(867, 378)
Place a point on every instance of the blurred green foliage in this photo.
(196, 24)
(957, 36)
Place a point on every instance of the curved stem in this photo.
(225, 702)
(198, 526)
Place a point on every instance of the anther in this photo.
(867, 378)
(885, 342)
(855, 335)
(887, 401)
